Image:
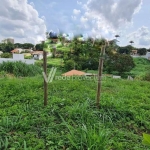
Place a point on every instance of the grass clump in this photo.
(19, 68)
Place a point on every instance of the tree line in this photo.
(8, 47)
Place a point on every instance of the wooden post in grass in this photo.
(45, 71)
(100, 71)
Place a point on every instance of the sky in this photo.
(28, 20)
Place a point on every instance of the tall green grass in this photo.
(142, 65)
(19, 68)
(71, 119)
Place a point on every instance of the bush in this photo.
(27, 57)
(20, 69)
(147, 76)
(119, 62)
(69, 65)
(6, 55)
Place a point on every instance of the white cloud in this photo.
(83, 19)
(32, 4)
(76, 11)
(21, 21)
(110, 16)
(141, 32)
(141, 37)
(73, 17)
(116, 13)
(79, 3)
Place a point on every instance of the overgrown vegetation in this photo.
(71, 121)
(20, 69)
(142, 67)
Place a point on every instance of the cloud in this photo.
(76, 12)
(73, 17)
(21, 21)
(143, 31)
(141, 36)
(83, 19)
(106, 17)
(145, 41)
(79, 3)
(32, 4)
(116, 13)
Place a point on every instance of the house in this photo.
(134, 52)
(74, 73)
(17, 57)
(38, 55)
(17, 50)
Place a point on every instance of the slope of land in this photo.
(71, 120)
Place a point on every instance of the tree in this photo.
(18, 45)
(119, 62)
(27, 46)
(8, 47)
(131, 42)
(39, 47)
(125, 50)
(142, 51)
(117, 36)
(84, 54)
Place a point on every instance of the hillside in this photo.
(71, 120)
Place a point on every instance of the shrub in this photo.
(6, 55)
(119, 62)
(20, 69)
(69, 64)
(27, 57)
(147, 76)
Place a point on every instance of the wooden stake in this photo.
(45, 71)
(100, 70)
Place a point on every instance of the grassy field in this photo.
(71, 121)
(56, 62)
(142, 66)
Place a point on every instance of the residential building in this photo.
(8, 40)
(17, 57)
(17, 50)
(38, 55)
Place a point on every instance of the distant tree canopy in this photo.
(85, 55)
(6, 47)
(39, 47)
(141, 51)
(125, 50)
(119, 62)
(24, 46)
